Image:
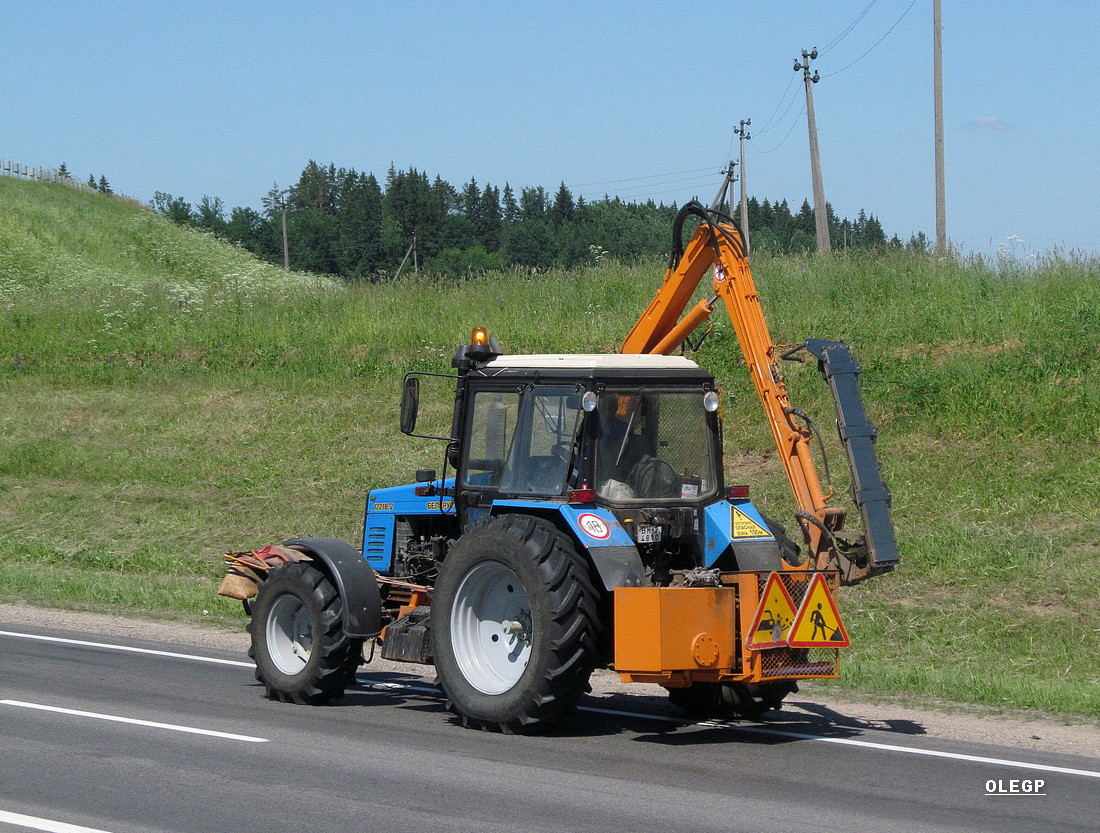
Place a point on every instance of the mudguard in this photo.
(596, 531)
(355, 582)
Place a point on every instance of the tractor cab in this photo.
(623, 432)
(621, 452)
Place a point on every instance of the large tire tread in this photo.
(558, 673)
(336, 656)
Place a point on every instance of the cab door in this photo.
(519, 443)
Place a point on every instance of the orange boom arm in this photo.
(663, 327)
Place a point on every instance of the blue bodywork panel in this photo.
(728, 522)
(385, 506)
(722, 523)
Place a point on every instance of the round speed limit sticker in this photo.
(594, 526)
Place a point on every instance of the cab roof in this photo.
(593, 361)
(619, 367)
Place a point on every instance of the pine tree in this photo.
(359, 213)
(91, 181)
(580, 213)
(409, 201)
(532, 203)
(784, 226)
(859, 225)
(313, 189)
(104, 187)
(470, 200)
(488, 226)
(510, 207)
(63, 171)
(766, 219)
(562, 209)
(804, 220)
(873, 234)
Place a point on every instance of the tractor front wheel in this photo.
(514, 625)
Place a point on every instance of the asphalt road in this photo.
(100, 739)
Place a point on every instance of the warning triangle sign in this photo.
(745, 527)
(818, 624)
(773, 618)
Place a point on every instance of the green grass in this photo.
(164, 397)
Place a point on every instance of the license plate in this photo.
(648, 534)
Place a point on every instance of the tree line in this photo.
(343, 222)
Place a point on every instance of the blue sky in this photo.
(636, 99)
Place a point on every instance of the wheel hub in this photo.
(289, 634)
(491, 627)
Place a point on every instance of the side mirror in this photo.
(410, 404)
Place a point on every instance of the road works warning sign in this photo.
(818, 624)
(774, 617)
(745, 527)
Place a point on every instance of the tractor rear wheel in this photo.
(514, 625)
(298, 642)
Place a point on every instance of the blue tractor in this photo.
(586, 523)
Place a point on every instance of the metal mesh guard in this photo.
(799, 662)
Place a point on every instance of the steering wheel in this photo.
(562, 451)
(655, 478)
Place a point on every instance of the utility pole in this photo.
(937, 73)
(821, 217)
(286, 246)
(410, 251)
(740, 131)
(721, 197)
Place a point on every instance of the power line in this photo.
(771, 122)
(689, 180)
(847, 31)
(794, 124)
(790, 104)
(644, 194)
(639, 178)
(876, 43)
(733, 138)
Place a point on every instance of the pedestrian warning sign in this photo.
(818, 624)
(745, 527)
(773, 618)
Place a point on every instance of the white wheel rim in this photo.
(491, 627)
(289, 634)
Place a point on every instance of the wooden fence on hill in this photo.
(20, 171)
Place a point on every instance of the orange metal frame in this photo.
(661, 330)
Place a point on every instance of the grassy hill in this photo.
(166, 397)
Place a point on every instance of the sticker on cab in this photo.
(594, 526)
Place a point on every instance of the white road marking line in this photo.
(134, 721)
(760, 730)
(35, 823)
(83, 644)
(909, 750)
